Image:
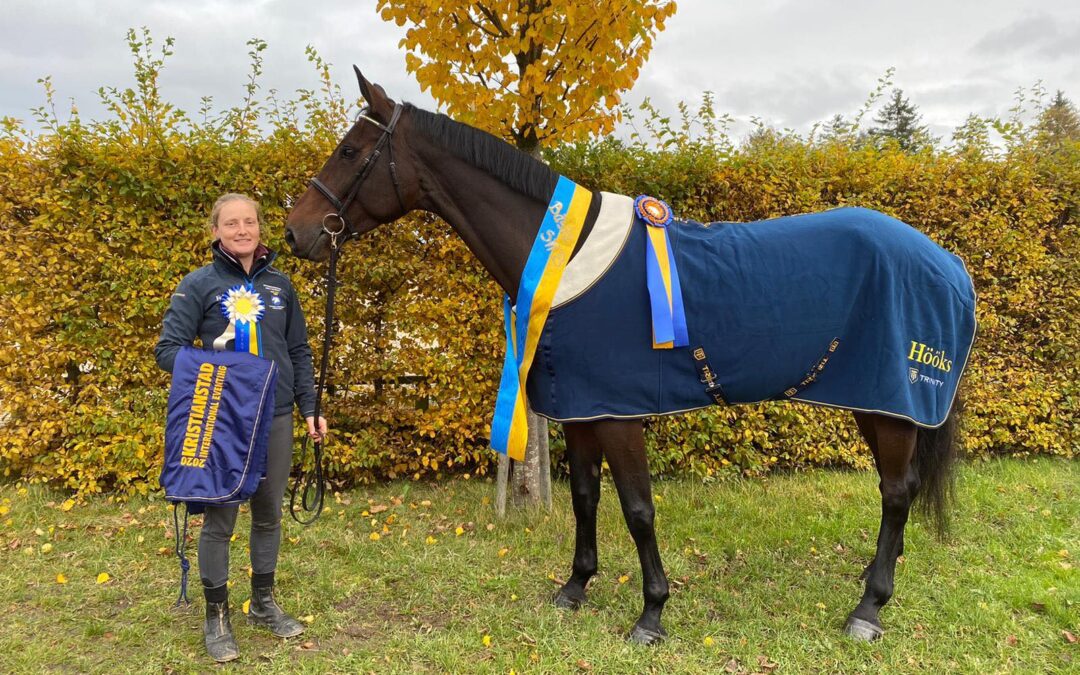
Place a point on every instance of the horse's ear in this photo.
(374, 94)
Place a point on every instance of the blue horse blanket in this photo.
(848, 308)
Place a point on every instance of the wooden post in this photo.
(528, 482)
(500, 486)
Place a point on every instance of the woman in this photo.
(242, 266)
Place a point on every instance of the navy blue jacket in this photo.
(195, 312)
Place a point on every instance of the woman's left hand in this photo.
(319, 434)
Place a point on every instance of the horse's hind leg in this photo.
(893, 444)
(623, 443)
(865, 422)
(583, 451)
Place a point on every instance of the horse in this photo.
(397, 158)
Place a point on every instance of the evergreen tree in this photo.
(900, 120)
(1059, 123)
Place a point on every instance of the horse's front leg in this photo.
(623, 443)
(583, 451)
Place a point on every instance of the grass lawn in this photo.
(763, 575)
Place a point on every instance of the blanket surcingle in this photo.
(848, 308)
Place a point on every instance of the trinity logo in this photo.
(913, 375)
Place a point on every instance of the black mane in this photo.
(517, 169)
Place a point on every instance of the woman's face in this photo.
(238, 228)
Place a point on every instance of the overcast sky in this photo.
(788, 62)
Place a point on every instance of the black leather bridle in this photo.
(341, 206)
(310, 486)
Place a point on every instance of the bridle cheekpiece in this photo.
(341, 206)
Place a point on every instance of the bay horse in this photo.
(397, 158)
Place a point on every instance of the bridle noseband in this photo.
(341, 206)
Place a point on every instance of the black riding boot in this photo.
(264, 611)
(217, 633)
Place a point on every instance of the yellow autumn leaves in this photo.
(102, 578)
(534, 75)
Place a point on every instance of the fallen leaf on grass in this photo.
(1069, 637)
(1011, 640)
(246, 606)
(765, 664)
(378, 508)
(67, 505)
(61, 579)
(584, 665)
(309, 645)
(103, 578)
(624, 578)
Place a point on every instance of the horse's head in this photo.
(363, 184)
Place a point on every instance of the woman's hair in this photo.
(215, 213)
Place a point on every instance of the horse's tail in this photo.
(935, 452)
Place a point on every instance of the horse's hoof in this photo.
(564, 600)
(646, 636)
(861, 629)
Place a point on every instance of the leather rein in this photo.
(310, 486)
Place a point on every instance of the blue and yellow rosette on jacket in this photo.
(662, 275)
(243, 308)
(550, 252)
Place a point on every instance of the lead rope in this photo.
(181, 545)
(311, 485)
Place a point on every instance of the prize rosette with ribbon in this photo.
(653, 211)
(665, 293)
(243, 307)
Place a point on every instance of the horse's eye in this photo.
(348, 152)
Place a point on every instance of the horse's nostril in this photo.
(290, 239)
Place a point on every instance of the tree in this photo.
(536, 72)
(1059, 123)
(972, 137)
(900, 120)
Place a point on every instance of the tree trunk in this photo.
(529, 481)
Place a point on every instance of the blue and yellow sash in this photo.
(551, 251)
(662, 276)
